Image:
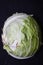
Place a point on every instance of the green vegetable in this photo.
(21, 35)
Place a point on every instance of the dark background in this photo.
(7, 8)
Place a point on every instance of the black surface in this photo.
(7, 8)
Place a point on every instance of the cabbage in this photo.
(21, 35)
